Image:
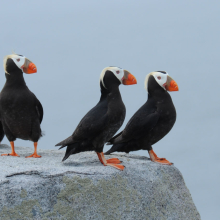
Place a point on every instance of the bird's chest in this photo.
(15, 102)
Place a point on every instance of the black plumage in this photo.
(149, 124)
(21, 113)
(2, 133)
(100, 123)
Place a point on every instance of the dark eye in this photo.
(158, 77)
(18, 59)
(117, 71)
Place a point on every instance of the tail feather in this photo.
(124, 147)
(62, 147)
(65, 142)
(117, 147)
(71, 149)
(113, 138)
(108, 152)
(77, 147)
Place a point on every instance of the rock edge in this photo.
(82, 188)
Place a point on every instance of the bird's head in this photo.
(15, 62)
(115, 76)
(163, 80)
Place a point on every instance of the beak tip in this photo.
(172, 87)
(131, 80)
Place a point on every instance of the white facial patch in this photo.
(18, 60)
(118, 72)
(160, 77)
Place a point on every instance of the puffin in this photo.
(103, 120)
(152, 121)
(21, 113)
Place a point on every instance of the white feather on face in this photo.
(160, 77)
(117, 71)
(18, 60)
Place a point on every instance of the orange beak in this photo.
(128, 78)
(171, 85)
(29, 67)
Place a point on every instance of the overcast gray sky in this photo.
(72, 41)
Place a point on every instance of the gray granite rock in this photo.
(82, 188)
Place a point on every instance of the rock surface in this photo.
(82, 188)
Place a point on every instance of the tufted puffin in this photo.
(21, 113)
(152, 121)
(103, 120)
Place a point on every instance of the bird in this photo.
(103, 120)
(152, 121)
(21, 113)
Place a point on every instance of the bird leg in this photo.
(35, 152)
(106, 163)
(156, 159)
(12, 150)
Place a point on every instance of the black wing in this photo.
(39, 107)
(140, 124)
(40, 110)
(91, 124)
(2, 133)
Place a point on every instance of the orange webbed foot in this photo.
(34, 155)
(12, 154)
(163, 161)
(156, 159)
(117, 166)
(114, 161)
